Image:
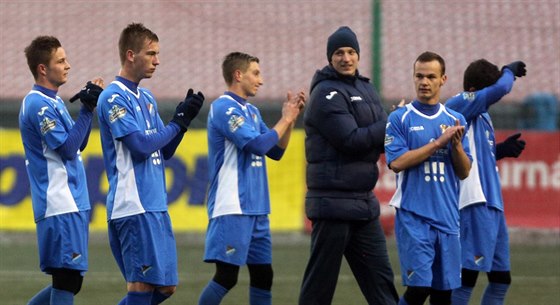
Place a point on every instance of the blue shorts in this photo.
(239, 240)
(144, 247)
(484, 239)
(429, 257)
(63, 241)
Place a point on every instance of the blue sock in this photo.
(138, 298)
(61, 297)
(212, 294)
(158, 297)
(495, 294)
(42, 297)
(123, 301)
(402, 301)
(461, 295)
(259, 296)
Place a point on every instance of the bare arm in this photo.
(414, 157)
(291, 108)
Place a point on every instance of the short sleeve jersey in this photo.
(430, 189)
(135, 186)
(238, 180)
(57, 186)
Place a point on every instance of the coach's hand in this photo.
(88, 95)
(511, 147)
(517, 67)
(188, 109)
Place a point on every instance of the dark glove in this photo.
(517, 67)
(88, 95)
(511, 147)
(187, 110)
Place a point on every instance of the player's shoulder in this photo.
(453, 112)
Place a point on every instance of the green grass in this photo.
(536, 273)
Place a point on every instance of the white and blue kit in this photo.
(427, 221)
(238, 182)
(58, 182)
(137, 198)
(484, 236)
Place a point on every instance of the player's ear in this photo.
(130, 55)
(443, 80)
(41, 69)
(237, 75)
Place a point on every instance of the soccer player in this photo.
(344, 128)
(425, 145)
(135, 144)
(484, 235)
(52, 141)
(238, 200)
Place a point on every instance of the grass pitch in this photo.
(535, 269)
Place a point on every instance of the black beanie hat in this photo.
(343, 37)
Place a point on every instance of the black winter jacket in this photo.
(345, 129)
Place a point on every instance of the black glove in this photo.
(188, 109)
(517, 67)
(511, 147)
(88, 95)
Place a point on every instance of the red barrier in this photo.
(530, 183)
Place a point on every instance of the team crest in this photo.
(443, 128)
(47, 125)
(469, 96)
(116, 113)
(235, 122)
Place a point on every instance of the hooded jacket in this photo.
(345, 129)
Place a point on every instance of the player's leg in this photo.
(43, 297)
(259, 262)
(440, 297)
(63, 241)
(499, 278)
(328, 241)
(367, 256)
(414, 295)
(235, 232)
(65, 284)
(446, 268)
(225, 278)
(416, 247)
(260, 284)
(462, 295)
(477, 236)
(143, 246)
(168, 250)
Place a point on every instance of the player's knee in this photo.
(468, 277)
(415, 295)
(167, 290)
(226, 275)
(261, 276)
(67, 279)
(502, 277)
(440, 297)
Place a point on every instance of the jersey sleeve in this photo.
(472, 104)
(45, 118)
(395, 136)
(230, 120)
(118, 113)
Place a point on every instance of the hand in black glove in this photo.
(88, 95)
(517, 67)
(187, 110)
(511, 147)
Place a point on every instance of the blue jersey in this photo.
(430, 189)
(483, 182)
(238, 180)
(57, 186)
(135, 186)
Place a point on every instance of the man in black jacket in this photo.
(345, 129)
